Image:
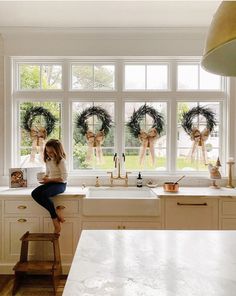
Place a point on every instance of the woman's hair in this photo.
(58, 150)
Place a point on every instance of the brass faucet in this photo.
(118, 177)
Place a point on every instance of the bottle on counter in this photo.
(97, 184)
(139, 180)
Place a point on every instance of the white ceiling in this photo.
(107, 14)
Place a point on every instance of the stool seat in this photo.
(49, 267)
(40, 236)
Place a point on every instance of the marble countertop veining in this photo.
(153, 262)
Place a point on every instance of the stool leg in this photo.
(57, 269)
(17, 281)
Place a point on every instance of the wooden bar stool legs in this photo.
(24, 266)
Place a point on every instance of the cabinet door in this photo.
(227, 214)
(191, 213)
(14, 228)
(228, 223)
(69, 236)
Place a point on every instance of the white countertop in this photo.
(183, 191)
(197, 191)
(153, 262)
(70, 190)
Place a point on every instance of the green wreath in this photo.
(102, 115)
(187, 118)
(32, 112)
(137, 116)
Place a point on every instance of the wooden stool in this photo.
(23, 266)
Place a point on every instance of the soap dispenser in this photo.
(139, 180)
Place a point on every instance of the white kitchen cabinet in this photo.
(122, 225)
(14, 228)
(121, 213)
(69, 236)
(190, 213)
(22, 214)
(227, 214)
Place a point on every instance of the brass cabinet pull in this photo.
(22, 207)
(123, 227)
(22, 220)
(118, 227)
(192, 204)
(61, 207)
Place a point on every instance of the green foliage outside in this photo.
(30, 77)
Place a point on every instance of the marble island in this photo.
(151, 263)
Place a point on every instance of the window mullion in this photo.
(119, 111)
(172, 120)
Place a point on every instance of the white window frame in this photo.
(119, 96)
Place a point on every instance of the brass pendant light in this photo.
(220, 49)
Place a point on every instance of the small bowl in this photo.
(171, 187)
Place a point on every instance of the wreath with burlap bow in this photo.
(147, 138)
(198, 137)
(39, 130)
(94, 139)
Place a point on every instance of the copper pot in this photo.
(171, 187)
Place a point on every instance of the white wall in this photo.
(109, 42)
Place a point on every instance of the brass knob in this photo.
(119, 227)
(61, 207)
(22, 207)
(22, 220)
(123, 227)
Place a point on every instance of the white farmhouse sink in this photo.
(121, 201)
(120, 192)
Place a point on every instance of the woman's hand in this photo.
(45, 180)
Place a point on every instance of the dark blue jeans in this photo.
(43, 193)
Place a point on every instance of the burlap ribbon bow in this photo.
(95, 141)
(147, 140)
(38, 136)
(199, 139)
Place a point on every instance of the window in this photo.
(134, 159)
(190, 155)
(31, 142)
(93, 77)
(146, 77)
(84, 153)
(193, 77)
(39, 76)
(119, 91)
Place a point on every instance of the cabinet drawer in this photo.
(228, 224)
(21, 207)
(68, 206)
(229, 208)
(192, 213)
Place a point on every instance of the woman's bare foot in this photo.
(57, 225)
(60, 215)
